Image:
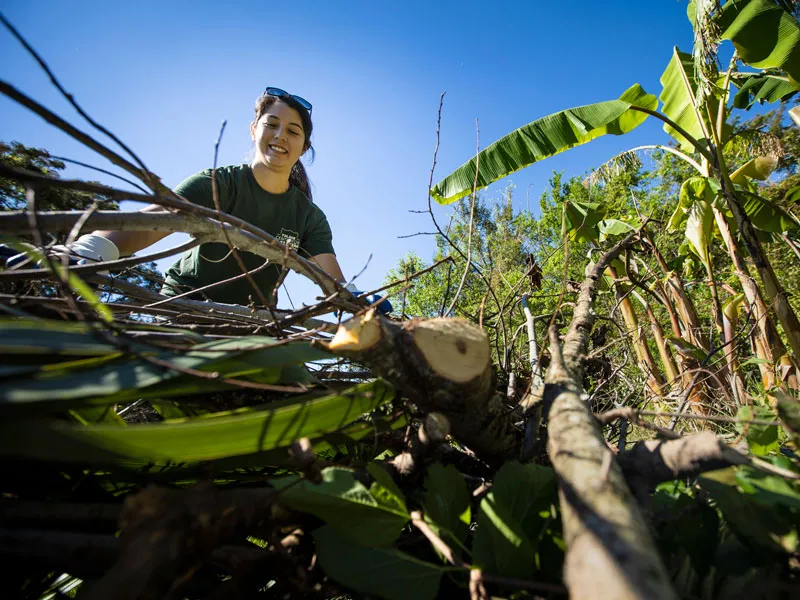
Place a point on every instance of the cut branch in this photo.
(442, 365)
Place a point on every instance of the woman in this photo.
(272, 193)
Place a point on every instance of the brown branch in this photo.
(238, 229)
(442, 365)
(610, 553)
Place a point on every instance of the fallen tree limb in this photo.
(610, 554)
(442, 365)
(263, 245)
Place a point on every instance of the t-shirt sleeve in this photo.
(197, 189)
(317, 238)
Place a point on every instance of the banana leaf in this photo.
(180, 441)
(546, 137)
(765, 35)
(678, 92)
(118, 377)
(761, 87)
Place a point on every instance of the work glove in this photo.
(381, 304)
(86, 249)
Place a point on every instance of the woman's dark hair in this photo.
(298, 177)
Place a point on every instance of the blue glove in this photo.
(381, 304)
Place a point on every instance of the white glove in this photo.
(88, 248)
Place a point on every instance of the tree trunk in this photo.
(775, 292)
(654, 378)
(609, 554)
(442, 365)
(771, 346)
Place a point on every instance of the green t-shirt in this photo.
(290, 217)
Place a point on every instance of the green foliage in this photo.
(512, 519)
(762, 439)
(446, 504)
(371, 517)
(545, 137)
(37, 160)
(385, 572)
(762, 510)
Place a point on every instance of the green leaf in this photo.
(118, 378)
(761, 87)
(609, 227)
(771, 531)
(762, 439)
(754, 360)
(220, 435)
(546, 137)
(694, 212)
(582, 219)
(765, 35)
(447, 504)
(346, 505)
(686, 348)
(770, 490)
(679, 87)
(385, 490)
(765, 215)
(693, 189)
(384, 572)
(511, 519)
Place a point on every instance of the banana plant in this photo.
(696, 100)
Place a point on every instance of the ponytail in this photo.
(299, 179)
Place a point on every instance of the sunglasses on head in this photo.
(279, 93)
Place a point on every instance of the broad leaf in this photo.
(118, 378)
(343, 502)
(679, 97)
(221, 435)
(772, 531)
(511, 519)
(694, 213)
(610, 227)
(446, 504)
(582, 219)
(762, 439)
(761, 87)
(546, 137)
(385, 490)
(383, 572)
(765, 35)
(765, 214)
(679, 87)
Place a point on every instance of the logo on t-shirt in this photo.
(289, 238)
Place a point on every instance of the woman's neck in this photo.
(274, 182)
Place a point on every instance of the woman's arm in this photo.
(330, 265)
(130, 242)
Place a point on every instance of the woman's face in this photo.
(279, 137)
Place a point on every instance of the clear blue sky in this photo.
(164, 75)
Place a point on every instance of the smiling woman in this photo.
(272, 193)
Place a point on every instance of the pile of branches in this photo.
(158, 447)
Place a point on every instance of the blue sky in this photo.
(164, 75)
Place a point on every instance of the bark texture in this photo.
(610, 554)
(441, 365)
